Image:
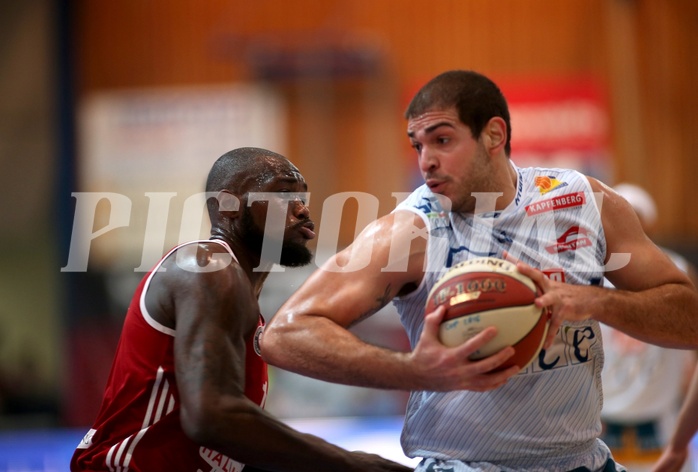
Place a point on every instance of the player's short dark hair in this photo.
(476, 98)
(232, 168)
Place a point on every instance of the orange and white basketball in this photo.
(488, 291)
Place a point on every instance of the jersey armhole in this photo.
(144, 311)
(146, 315)
(427, 223)
(597, 201)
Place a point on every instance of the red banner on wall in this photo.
(549, 115)
(559, 122)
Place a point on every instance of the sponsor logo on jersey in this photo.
(438, 217)
(87, 440)
(571, 240)
(255, 341)
(219, 462)
(435, 467)
(548, 183)
(573, 345)
(557, 274)
(431, 208)
(568, 200)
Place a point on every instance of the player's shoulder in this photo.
(611, 201)
(599, 186)
(547, 181)
(201, 261)
(390, 239)
(400, 223)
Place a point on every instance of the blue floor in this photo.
(50, 450)
(38, 450)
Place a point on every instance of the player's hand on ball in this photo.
(564, 301)
(442, 368)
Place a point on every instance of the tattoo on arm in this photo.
(380, 303)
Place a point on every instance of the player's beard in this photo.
(292, 254)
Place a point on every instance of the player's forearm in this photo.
(238, 429)
(665, 315)
(331, 353)
(292, 450)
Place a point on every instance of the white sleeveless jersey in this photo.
(547, 416)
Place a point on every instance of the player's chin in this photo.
(295, 241)
(296, 254)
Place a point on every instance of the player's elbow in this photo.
(199, 423)
(208, 423)
(276, 340)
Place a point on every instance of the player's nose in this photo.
(300, 209)
(428, 161)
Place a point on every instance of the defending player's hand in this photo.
(444, 368)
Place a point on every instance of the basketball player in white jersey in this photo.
(567, 230)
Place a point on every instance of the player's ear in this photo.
(228, 204)
(495, 135)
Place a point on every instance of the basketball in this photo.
(484, 292)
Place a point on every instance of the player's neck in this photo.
(508, 180)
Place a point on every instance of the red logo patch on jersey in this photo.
(557, 275)
(571, 240)
(568, 200)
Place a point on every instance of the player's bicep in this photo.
(624, 235)
(361, 279)
(345, 297)
(635, 276)
(209, 341)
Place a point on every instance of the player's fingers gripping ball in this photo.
(484, 292)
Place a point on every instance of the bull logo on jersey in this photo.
(571, 240)
(548, 183)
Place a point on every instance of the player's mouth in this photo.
(436, 185)
(307, 229)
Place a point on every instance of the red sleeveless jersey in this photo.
(138, 426)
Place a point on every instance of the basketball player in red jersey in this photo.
(187, 387)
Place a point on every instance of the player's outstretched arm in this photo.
(309, 334)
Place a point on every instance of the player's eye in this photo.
(294, 197)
